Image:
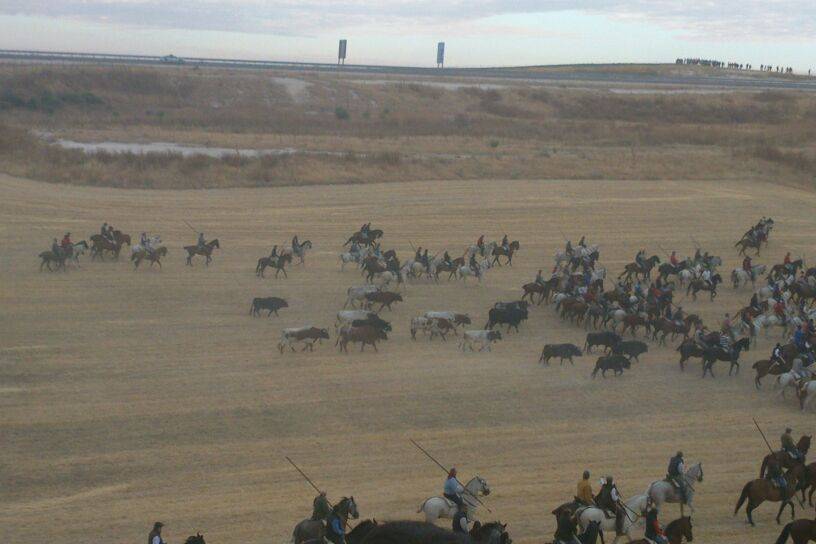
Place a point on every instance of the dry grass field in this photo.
(131, 396)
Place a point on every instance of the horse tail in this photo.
(422, 506)
(783, 536)
(764, 467)
(743, 496)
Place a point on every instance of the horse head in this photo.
(478, 484)
(804, 443)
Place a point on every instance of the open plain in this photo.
(131, 396)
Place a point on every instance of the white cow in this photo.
(358, 294)
(483, 339)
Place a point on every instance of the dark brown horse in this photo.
(695, 286)
(783, 459)
(635, 270)
(676, 531)
(49, 257)
(153, 256)
(632, 322)
(801, 531)
(100, 244)
(499, 251)
(277, 262)
(206, 251)
(760, 490)
(765, 367)
(748, 243)
(668, 327)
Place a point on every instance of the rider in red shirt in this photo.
(787, 258)
(66, 241)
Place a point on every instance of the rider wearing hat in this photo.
(154, 537)
(609, 500)
(320, 507)
(676, 473)
(55, 248)
(789, 446)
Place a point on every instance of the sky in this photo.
(405, 32)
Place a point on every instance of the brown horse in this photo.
(668, 327)
(499, 251)
(765, 367)
(760, 490)
(635, 270)
(675, 531)
(121, 238)
(450, 269)
(747, 243)
(534, 288)
(100, 244)
(783, 459)
(800, 291)
(802, 531)
(153, 256)
(632, 322)
(206, 251)
(695, 286)
(809, 482)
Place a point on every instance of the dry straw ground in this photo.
(134, 396)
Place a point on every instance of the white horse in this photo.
(807, 394)
(635, 509)
(740, 277)
(662, 491)
(440, 507)
(785, 381)
(299, 252)
(766, 322)
(474, 249)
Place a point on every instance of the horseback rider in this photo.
(110, 236)
(480, 244)
(673, 259)
(583, 495)
(608, 499)
(460, 520)
(103, 231)
(800, 337)
(144, 241)
(789, 446)
(776, 355)
(365, 228)
(566, 528)
(446, 259)
(295, 243)
(474, 265)
(55, 248)
(66, 245)
(654, 531)
(335, 530)
(418, 254)
(201, 243)
(321, 509)
(274, 252)
(568, 248)
(154, 537)
(679, 315)
(746, 265)
(539, 279)
(505, 243)
(706, 277)
(582, 241)
(453, 489)
(639, 258)
(676, 474)
(426, 261)
(775, 475)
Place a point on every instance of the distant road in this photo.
(727, 79)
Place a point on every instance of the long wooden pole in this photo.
(440, 465)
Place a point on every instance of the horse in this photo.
(747, 243)
(440, 507)
(278, 263)
(663, 491)
(635, 269)
(500, 251)
(712, 355)
(739, 276)
(783, 458)
(675, 531)
(801, 531)
(153, 256)
(764, 367)
(298, 251)
(197, 538)
(49, 257)
(100, 244)
(667, 327)
(695, 286)
(667, 269)
(310, 529)
(806, 391)
(760, 490)
(205, 250)
(780, 270)
(635, 508)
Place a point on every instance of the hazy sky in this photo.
(477, 32)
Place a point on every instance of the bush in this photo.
(341, 113)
